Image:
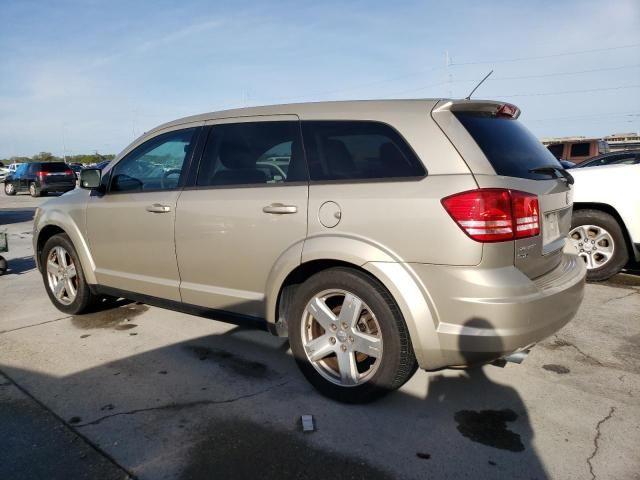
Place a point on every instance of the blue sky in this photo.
(79, 76)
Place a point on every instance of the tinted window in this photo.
(556, 149)
(54, 167)
(253, 153)
(22, 169)
(155, 165)
(512, 150)
(580, 150)
(350, 150)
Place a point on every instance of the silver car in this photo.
(378, 236)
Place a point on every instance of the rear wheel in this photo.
(34, 190)
(348, 336)
(598, 239)
(64, 278)
(9, 189)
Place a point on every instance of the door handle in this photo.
(158, 208)
(279, 208)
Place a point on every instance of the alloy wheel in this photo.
(594, 244)
(341, 337)
(62, 275)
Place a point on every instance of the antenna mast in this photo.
(468, 97)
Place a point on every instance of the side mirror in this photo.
(90, 178)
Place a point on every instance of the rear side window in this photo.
(357, 150)
(580, 150)
(54, 167)
(510, 147)
(253, 153)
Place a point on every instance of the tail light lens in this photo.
(495, 214)
(69, 172)
(42, 173)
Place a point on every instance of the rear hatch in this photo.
(503, 154)
(56, 173)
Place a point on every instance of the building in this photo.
(623, 141)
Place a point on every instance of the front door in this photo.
(131, 226)
(248, 208)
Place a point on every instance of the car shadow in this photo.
(228, 405)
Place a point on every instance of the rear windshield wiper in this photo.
(557, 172)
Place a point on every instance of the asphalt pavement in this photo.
(138, 391)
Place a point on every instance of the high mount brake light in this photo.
(508, 110)
(495, 214)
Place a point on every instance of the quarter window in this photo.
(155, 165)
(253, 153)
(357, 150)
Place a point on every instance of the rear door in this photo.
(246, 210)
(502, 153)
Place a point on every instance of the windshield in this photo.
(512, 150)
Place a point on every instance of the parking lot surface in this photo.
(138, 391)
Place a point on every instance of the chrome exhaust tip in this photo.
(515, 357)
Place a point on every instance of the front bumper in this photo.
(484, 314)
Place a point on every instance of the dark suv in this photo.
(40, 178)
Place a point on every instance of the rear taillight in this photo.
(42, 173)
(494, 214)
(69, 172)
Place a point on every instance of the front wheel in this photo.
(598, 239)
(9, 189)
(348, 336)
(64, 278)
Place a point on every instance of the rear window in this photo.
(580, 150)
(54, 167)
(557, 150)
(512, 150)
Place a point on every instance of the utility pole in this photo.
(449, 77)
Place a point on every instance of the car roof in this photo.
(308, 110)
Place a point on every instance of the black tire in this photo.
(9, 188)
(607, 222)
(84, 300)
(34, 190)
(398, 362)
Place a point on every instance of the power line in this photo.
(555, 55)
(542, 94)
(576, 72)
(582, 117)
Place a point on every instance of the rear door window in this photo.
(251, 153)
(357, 150)
(510, 147)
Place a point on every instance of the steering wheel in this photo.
(165, 176)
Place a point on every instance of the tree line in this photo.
(49, 157)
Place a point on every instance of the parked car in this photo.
(101, 165)
(77, 168)
(566, 164)
(40, 178)
(630, 157)
(401, 234)
(578, 151)
(605, 229)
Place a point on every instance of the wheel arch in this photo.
(381, 266)
(53, 226)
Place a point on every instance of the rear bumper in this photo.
(484, 314)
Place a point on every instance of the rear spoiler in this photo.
(499, 109)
